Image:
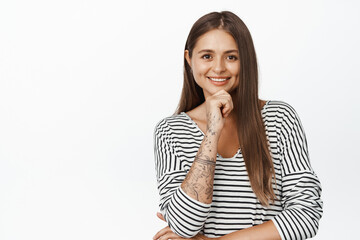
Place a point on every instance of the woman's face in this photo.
(215, 62)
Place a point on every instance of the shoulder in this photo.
(286, 120)
(281, 110)
(282, 115)
(173, 124)
(277, 105)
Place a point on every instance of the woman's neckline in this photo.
(197, 127)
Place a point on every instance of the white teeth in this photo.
(218, 79)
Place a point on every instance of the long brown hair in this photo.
(250, 126)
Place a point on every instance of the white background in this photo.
(83, 83)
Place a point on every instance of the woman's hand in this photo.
(218, 107)
(166, 233)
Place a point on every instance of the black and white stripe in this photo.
(298, 209)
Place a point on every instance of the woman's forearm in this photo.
(198, 183)
(265, 231)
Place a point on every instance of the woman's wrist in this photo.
(212, 135)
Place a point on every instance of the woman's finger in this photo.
(162, 232)
(170, 235)
(201, 237)
(221, 92)
(226, 105)
(166, 234)
(159, 215)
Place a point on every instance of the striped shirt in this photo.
(295, 213)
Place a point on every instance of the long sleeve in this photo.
(184, 215)
(301, 189)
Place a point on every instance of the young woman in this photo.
(229, 165)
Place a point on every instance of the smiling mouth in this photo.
(219, 79)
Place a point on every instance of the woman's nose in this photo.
(219, 66)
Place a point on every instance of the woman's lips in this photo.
(219, 81)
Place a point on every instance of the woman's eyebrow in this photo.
(206, 51)
(212, 51)
(232, 51)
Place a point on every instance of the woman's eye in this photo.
(232, 58)
(206, 56)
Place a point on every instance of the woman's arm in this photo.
(300, 187)
(185, 196)
(198, 183)
(265, 231)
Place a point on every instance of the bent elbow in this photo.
(311, 219)
(298, 223)
(184, 215)
(182, 226)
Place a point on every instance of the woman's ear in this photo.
(187, 57)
